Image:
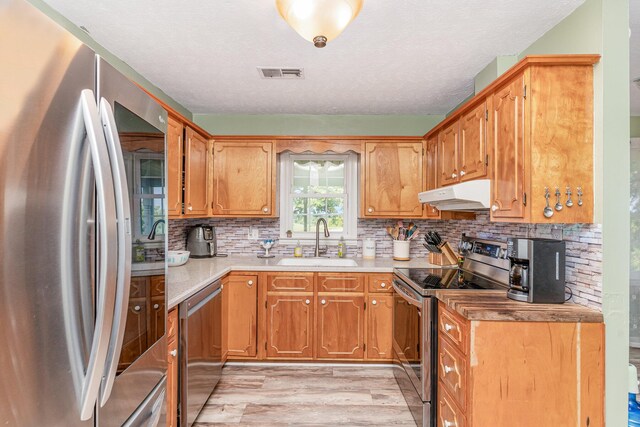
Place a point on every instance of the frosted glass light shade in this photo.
(319, 21)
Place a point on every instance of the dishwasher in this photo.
(200, 350)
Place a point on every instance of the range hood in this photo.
(466, 196)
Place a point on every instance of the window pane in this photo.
(305, 219)
(318, 176)
(151, 176)
(150, 212)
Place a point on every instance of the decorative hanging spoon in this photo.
(548, 212)
(569, 201)
(558, 205)
(579, 194)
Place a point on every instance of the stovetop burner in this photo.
(445, 278)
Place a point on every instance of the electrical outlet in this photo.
(254, 233)
(556, 233)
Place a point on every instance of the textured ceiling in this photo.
(634, 59)
(397, 57)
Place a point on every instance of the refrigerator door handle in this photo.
(123, 215)
(106, 231)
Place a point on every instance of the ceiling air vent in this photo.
(281, 73)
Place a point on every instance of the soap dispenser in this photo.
(634, 407)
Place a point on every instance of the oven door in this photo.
(411, 336)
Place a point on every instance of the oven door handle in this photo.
(406, 294)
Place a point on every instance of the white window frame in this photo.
(350, 233)
(133, 167)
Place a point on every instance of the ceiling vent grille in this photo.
(281, 73)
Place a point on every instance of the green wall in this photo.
(493, 70)
(635, 126)
(601, 26)
(120, 65)
(304, 124)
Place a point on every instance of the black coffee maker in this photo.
(537, 270)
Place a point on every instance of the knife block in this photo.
(447, 257)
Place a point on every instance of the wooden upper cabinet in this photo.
(448, 155)
(242, 310)
(290, 325)
(508, 143)
(472, 160)
(175, 132)
(392, 178)
(334, 340)
(244, 178)
(431, 168)
(196, 166)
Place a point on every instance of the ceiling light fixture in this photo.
(319, 21)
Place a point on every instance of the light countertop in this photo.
(196, 274)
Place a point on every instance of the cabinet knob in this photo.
(250, 283)
(137, 308)
(189, 208)
(383, 285)
(323, 302)
(307, 302)
(370, 210)
(447, 369)
(221, 287)
(374, 302)
(494, 208)
(454, 175)
(173, 353)
(462, 173)
(448, 327)
(449, 423)
(265, 210)
(156, 306)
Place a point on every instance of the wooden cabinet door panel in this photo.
(431, 168)
(290, 325)
(392, 179)
(452, 371)
(196, 165)
(508, 144)
(290, 282)
(156, 319)
(473, 144)
(340, 330)
(174, 167)
(448, 155)
(242, 300)
(449, 414)
(135, 338)
(379, 327)
(243, 178)
(340, 282)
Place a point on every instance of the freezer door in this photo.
(56, 225)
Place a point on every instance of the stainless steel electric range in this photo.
(415, 329)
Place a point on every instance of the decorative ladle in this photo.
(548, 212)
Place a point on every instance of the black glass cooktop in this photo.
(445, 278)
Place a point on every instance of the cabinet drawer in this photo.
(340, 282)
(454, 327)
(380, 282)
(157, 286)
(138, 287)
(452, 371)
(449, 414)
(290, 282)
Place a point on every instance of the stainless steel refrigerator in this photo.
(82, 177)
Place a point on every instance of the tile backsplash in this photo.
(584, 242)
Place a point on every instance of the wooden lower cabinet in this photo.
(289, 326)
(525, 374)
(379, 312)
(241, 292)
(340, 326)
(172, 368)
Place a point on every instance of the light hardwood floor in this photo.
(306, 395)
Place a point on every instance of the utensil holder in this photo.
(401, 250)
(447, 257)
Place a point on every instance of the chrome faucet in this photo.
(319, 251)
(152, 235)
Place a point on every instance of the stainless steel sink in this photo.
(317, 262)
